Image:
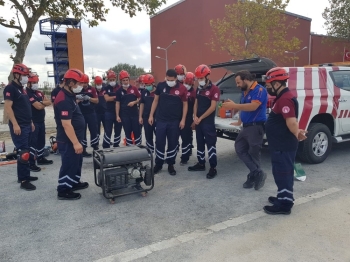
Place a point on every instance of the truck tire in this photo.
(316, 148)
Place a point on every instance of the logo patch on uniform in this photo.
(164, 90)
(89, 91)
(31, 99)
(8, 94)
(249, 97)
(286, 109)
(145, 94)
(64, 113)
(216, 95)
(207, 93)
(177, 92)
(131, 91)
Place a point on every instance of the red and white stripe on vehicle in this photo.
(315, 91)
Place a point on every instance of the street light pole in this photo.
(166, 53)
(294, 53)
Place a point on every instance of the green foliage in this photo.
(133, 70)
(254, 28)
(337, 17)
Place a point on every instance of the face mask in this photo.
(270, 91)
(149, 88)
(181, 77)
(202, 82)
(78, 89)
(35, 87)
(125, 86)
(187, 86)
(112, 83)
(142, 86)
(104, 81)
(171, 83)
(99, 87)
(24, 80)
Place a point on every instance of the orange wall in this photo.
(75, 48)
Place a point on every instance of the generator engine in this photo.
(123, 170)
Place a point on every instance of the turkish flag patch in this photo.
(8, 94)
(64, 113)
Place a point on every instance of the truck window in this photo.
(341, 79)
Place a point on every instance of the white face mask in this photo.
(35, 87)
(78, 89)
(112, 83)
(142, 86)
(104, 81)
(181, 77)
(99, 87)
(125, 86)
(187, 86)
(24, 80)
(201, 83)
(171, 83)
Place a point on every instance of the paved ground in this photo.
(35, 226)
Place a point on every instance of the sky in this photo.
(120, 39)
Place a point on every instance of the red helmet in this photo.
(148, 79)
(33, 78)
(276, 74)
(180, 69)
(75, 74)
(189, 78)
(140, 79)
(20, 69)
(98, 80)
(123, 74)
(111, 74)
(85, 79)
(202, 71)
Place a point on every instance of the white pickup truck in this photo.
(323, 94)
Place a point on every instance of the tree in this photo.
(133, 70)
(254, 28)
(337, 18)
(26, 14)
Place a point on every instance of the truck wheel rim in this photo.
(320, 144)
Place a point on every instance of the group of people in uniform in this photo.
(168, 110)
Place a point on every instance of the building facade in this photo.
(188, 22)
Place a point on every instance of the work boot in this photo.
(31, 178)
(212, 173)
(250, 181)
(156, 169)
(68, 195)
(260, 178)
(171, 170)
(183, 162)
(44, 161)
(86, 154)
(197, 167)
(277, 210)
(35, 168)
(272, 200)
(26, 185)
(80, 185)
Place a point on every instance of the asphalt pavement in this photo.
(184, 218)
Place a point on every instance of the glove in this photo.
(79, 97)
(86, 98)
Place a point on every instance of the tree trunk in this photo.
(21, 51)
